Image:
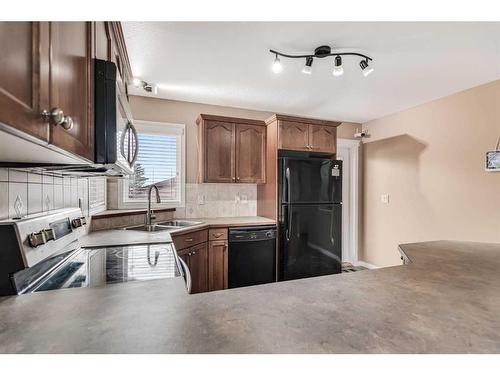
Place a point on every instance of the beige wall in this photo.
(162, 110)
(430, 160)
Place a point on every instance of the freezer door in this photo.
(310, 180)
(310, 240)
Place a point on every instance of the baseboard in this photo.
(365, 264)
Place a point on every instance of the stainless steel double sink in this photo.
(164, 226)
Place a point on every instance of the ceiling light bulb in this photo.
(277, 67)
(136, 82)
(307, 68)
(338, 70)
(365, 68)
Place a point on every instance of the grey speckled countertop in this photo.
(120, 237)
(446, 301)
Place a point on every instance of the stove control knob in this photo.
(36, 239)
(78, 222)
(49, 234)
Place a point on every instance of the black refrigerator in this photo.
(310, 217)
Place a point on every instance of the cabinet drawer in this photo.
(183, 241)
(217, 234)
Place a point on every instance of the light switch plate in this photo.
(384, 198)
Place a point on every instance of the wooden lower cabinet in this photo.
(217, 265)
(206, 255)
(196, 258)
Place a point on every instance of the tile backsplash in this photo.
(219, 200)
(25, 193)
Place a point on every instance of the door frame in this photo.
(352, 206)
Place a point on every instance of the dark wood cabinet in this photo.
(198, 266)
(71, 86)
(303, 134)
(217, 259)
(293, 136)
(250, 154)
(231, 149)
(219, 153)
(24, 76)
(323, 138)
(192, 248)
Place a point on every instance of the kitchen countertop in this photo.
(447, 300)
(121, 237)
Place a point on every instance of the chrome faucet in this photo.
(149, 213)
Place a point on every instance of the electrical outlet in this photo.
(201, 199)
(243, 198)
(384, 198)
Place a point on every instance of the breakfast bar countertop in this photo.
(445, 300)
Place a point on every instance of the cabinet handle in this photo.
(237, 178)
(67, 123)
(194, 252)
(55, 116)
(188, 239)
(217, 235)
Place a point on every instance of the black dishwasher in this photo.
(252, 256)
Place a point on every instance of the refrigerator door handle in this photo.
(288, 190)
(289, 226)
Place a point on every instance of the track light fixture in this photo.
(277, 67)
(365, 68)
(338, 70)
(307, 69)
(319, 53)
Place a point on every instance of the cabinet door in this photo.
(198, 266)
(219, 151)
(323, 138)
(24, 76)
(70, 85)
(217, 265)
(293, 136)
(250, 153)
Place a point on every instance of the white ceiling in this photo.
(229, 64)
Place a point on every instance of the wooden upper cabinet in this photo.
(231, 149)
(24, 74)
(219, 151)
(293, 136)
(71, 86)
(305, 134)
(323, 138)
(250, 153)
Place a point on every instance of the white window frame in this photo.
(96, 207)
(153, 127)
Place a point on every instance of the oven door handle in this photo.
(187, 274)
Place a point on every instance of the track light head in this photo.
(277, 67)
(307, 69)
(338, 70)
(365, 68)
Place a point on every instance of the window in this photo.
(160, 162)
(97, 194)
